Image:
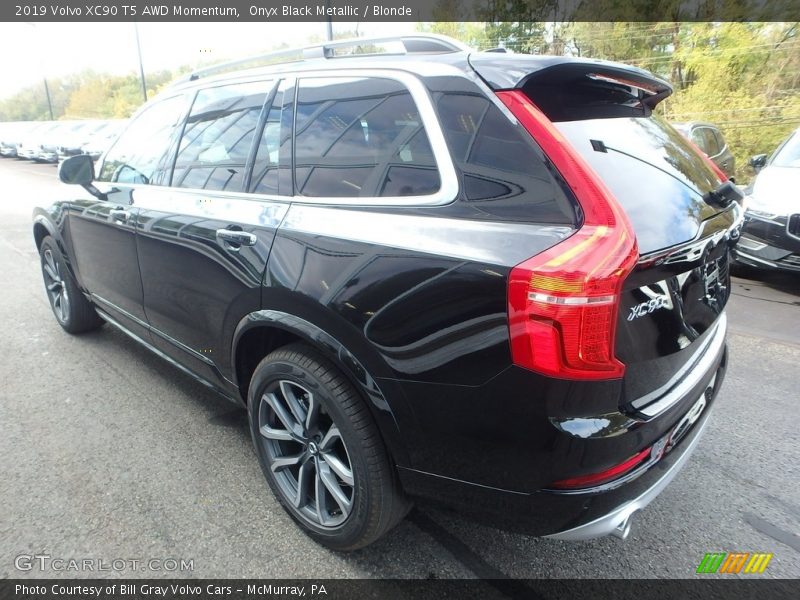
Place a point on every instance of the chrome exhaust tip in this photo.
(624, 528)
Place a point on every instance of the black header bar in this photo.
(397, 10)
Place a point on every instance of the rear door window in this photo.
(360, 137)
(218, 136)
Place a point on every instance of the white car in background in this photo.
(771, 234)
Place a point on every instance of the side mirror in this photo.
(758, 162)
(79, 170)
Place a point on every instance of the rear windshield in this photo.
(653, 172)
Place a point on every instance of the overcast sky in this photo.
(57, 49)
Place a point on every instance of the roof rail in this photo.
(422, 43)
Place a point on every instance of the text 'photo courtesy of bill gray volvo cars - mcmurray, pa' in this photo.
(492, 281)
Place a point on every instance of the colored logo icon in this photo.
(734, 562)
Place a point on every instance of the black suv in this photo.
(496, 282)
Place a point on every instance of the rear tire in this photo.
(70, 307)
(321, 451)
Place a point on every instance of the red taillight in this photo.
(563, 303)
(619, 470)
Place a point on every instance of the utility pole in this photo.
(44, 77)
(49, 102)
(141, 67)
(328, 22)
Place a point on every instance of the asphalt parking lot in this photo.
(107, 452)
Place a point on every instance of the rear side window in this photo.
(218, 135)
(712, 145)
(142, 154)
(500, 163)
(360, 137)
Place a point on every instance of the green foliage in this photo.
(86, 95)
(743, 77)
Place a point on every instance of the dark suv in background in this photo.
(496, 282)
(710, 140)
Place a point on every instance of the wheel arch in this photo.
(43, 227)
(263, 331)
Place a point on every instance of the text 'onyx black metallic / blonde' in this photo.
(492, 281)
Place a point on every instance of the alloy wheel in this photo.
(306, 454)
(56, 288)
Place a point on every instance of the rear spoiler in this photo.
(516, 71)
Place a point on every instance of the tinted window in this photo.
(219, 133)
(271, 169)
(712, 146)
(500, 162)
(361, 137)
(142, 154)
(720, 140)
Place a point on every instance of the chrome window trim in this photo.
(448, 190)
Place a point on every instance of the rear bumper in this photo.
(618, 521)
(567, 514)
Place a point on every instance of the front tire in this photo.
(72, 310)
(320, 450)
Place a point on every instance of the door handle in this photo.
(119, 214)
(236, 238)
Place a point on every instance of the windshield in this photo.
(788, 155)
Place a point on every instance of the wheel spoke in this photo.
(283, 415)
(303, 479)
(64, 304)
(299, 413)
(339, 468)
(319, 497)
(284, 462)
(330, 438)
(332, 485)
(312, 412)
(278, 434)
(54, 286)
(51, 272)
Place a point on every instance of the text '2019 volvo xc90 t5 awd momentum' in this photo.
(495, 282)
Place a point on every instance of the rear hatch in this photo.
(670, 313)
